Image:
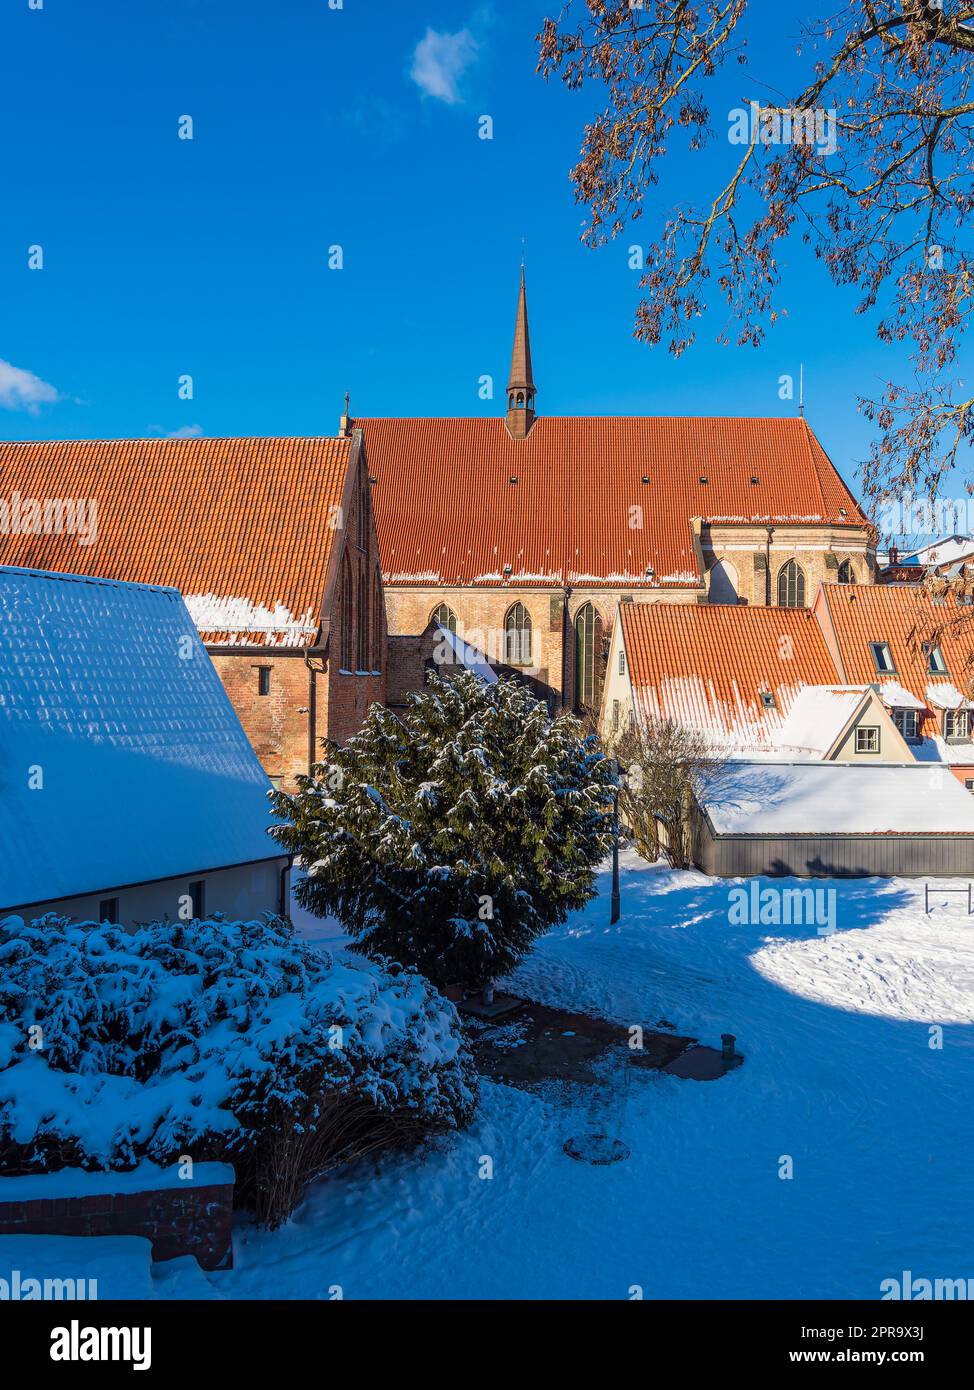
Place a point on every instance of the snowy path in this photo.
(839, 1076)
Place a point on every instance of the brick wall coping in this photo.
(76, 1182)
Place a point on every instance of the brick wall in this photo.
(481, 616)
(188, 1219)
(355, 678)
(275, 723)
(744, 547)
(278, 723)
(480, 621)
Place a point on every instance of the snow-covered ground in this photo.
(840, 1076)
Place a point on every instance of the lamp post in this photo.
(618, 773)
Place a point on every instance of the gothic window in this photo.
(846, 573)
(517, 636)
(588, 657)
(791, 586)
(363, 514)
(445, 617)
(377, 625)
(363, 619)
(347, 609)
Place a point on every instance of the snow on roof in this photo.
(818, 715)
(942, 552)
(469, 656)
(817, 798)
(252, 524)
(894, 696)
(936, 749)
(943, 695)
(121, 757)
(730, 671)
(228, 621)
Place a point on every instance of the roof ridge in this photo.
(73, 578)
(195, 439)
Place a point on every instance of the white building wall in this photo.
(241, 893)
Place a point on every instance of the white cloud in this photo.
(185, 432)
(22, 390)
(439, 62)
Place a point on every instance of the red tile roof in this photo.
(705, 665)
(244, 528)
(448, 512)
(904, 616)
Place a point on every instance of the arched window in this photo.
(791, 585)
(588, 657)
(363, 513)
(847, 574)
(347, 610)
(445, 617)
(517, 636)
(364, 650)
(378, 626)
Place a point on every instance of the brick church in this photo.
(319, 571)
(523, 533)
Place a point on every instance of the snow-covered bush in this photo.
(451, 837)
(218, 1040)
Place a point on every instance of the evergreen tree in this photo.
(452, 836)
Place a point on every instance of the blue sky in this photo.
(358, 127)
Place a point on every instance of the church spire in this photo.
(521, 390)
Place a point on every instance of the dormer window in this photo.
(957, 725)
(767, 699)
(907, 723)
(882, 658)
(936, 666)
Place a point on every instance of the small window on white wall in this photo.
(622, 663)
(867, 738)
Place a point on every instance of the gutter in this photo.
(566, 704)
(767, 569)
(284, 901)
(313, 672)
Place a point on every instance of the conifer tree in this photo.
(452, 836)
